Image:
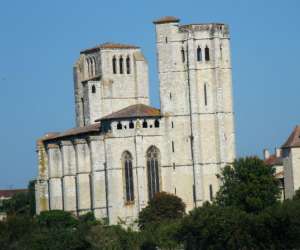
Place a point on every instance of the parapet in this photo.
(109, 45)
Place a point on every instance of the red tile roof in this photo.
(294, 139)
(133, 111)
(10, 192)
(167, 19)
(109, 46)
(273, 160)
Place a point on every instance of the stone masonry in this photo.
(123, 151)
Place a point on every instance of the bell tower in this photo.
(107, 78)
(196, 94)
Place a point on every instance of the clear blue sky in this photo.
(40, 41)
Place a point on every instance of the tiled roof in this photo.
(133, 111)
(166, 19)
(274, 160)
(109, 46)
(294, 139)
(73, 131)
(10, 192)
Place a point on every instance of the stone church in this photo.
(123, 151)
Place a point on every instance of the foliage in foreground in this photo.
(21, 203)
(245, 215)
(163, 207)
(248, 185)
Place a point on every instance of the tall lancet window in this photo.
(206, 53)
(153, 165)
(128, 65)
(88, 67)
(127, 163)
(199, 54)
(95, 65)
(182, 55)
(121, 64)
(114, 65)
(92, 66)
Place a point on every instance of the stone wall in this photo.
(195, 137)
(103, 92)
(197, 93)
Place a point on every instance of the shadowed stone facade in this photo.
(123, 151)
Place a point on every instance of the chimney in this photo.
(278, 152)
(266, 154)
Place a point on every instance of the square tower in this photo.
(107, 78)
(196, 94)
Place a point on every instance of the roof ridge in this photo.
(133, 111)
(110, 45)
(293, 139)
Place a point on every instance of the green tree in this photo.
(281, 225)
(31, 197)
(21, 203)
(113, 237)
(163, 207)
(249, 184)
(18, 204)
(297, 195)
(16, 232)
(59, 230)
(215, 227)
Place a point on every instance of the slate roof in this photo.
(109, 45)
(166, 19)
(133, 111)
(294, 139)
(10, 192)
(71, 132)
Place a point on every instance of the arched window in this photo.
(127, 163)
(153, 166)
(93, 89)
(121, 65)
(156, 123)
(199, 54)
(95, 65)
(128, 65)
(145, 124)
(88, 66)
(182, 55)
(83, 111)
(131, 124)
(221, 52)
(206, 53)
(92, 67)
(114, 65)
(119, 125)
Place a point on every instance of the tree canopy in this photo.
(163, 207)
(249, 184)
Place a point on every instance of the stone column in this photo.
(98, 185)
(69, 176)
(55, 176)
(83, 170)
(141, 196)
(41, 185)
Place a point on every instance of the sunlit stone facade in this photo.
(123, 151)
